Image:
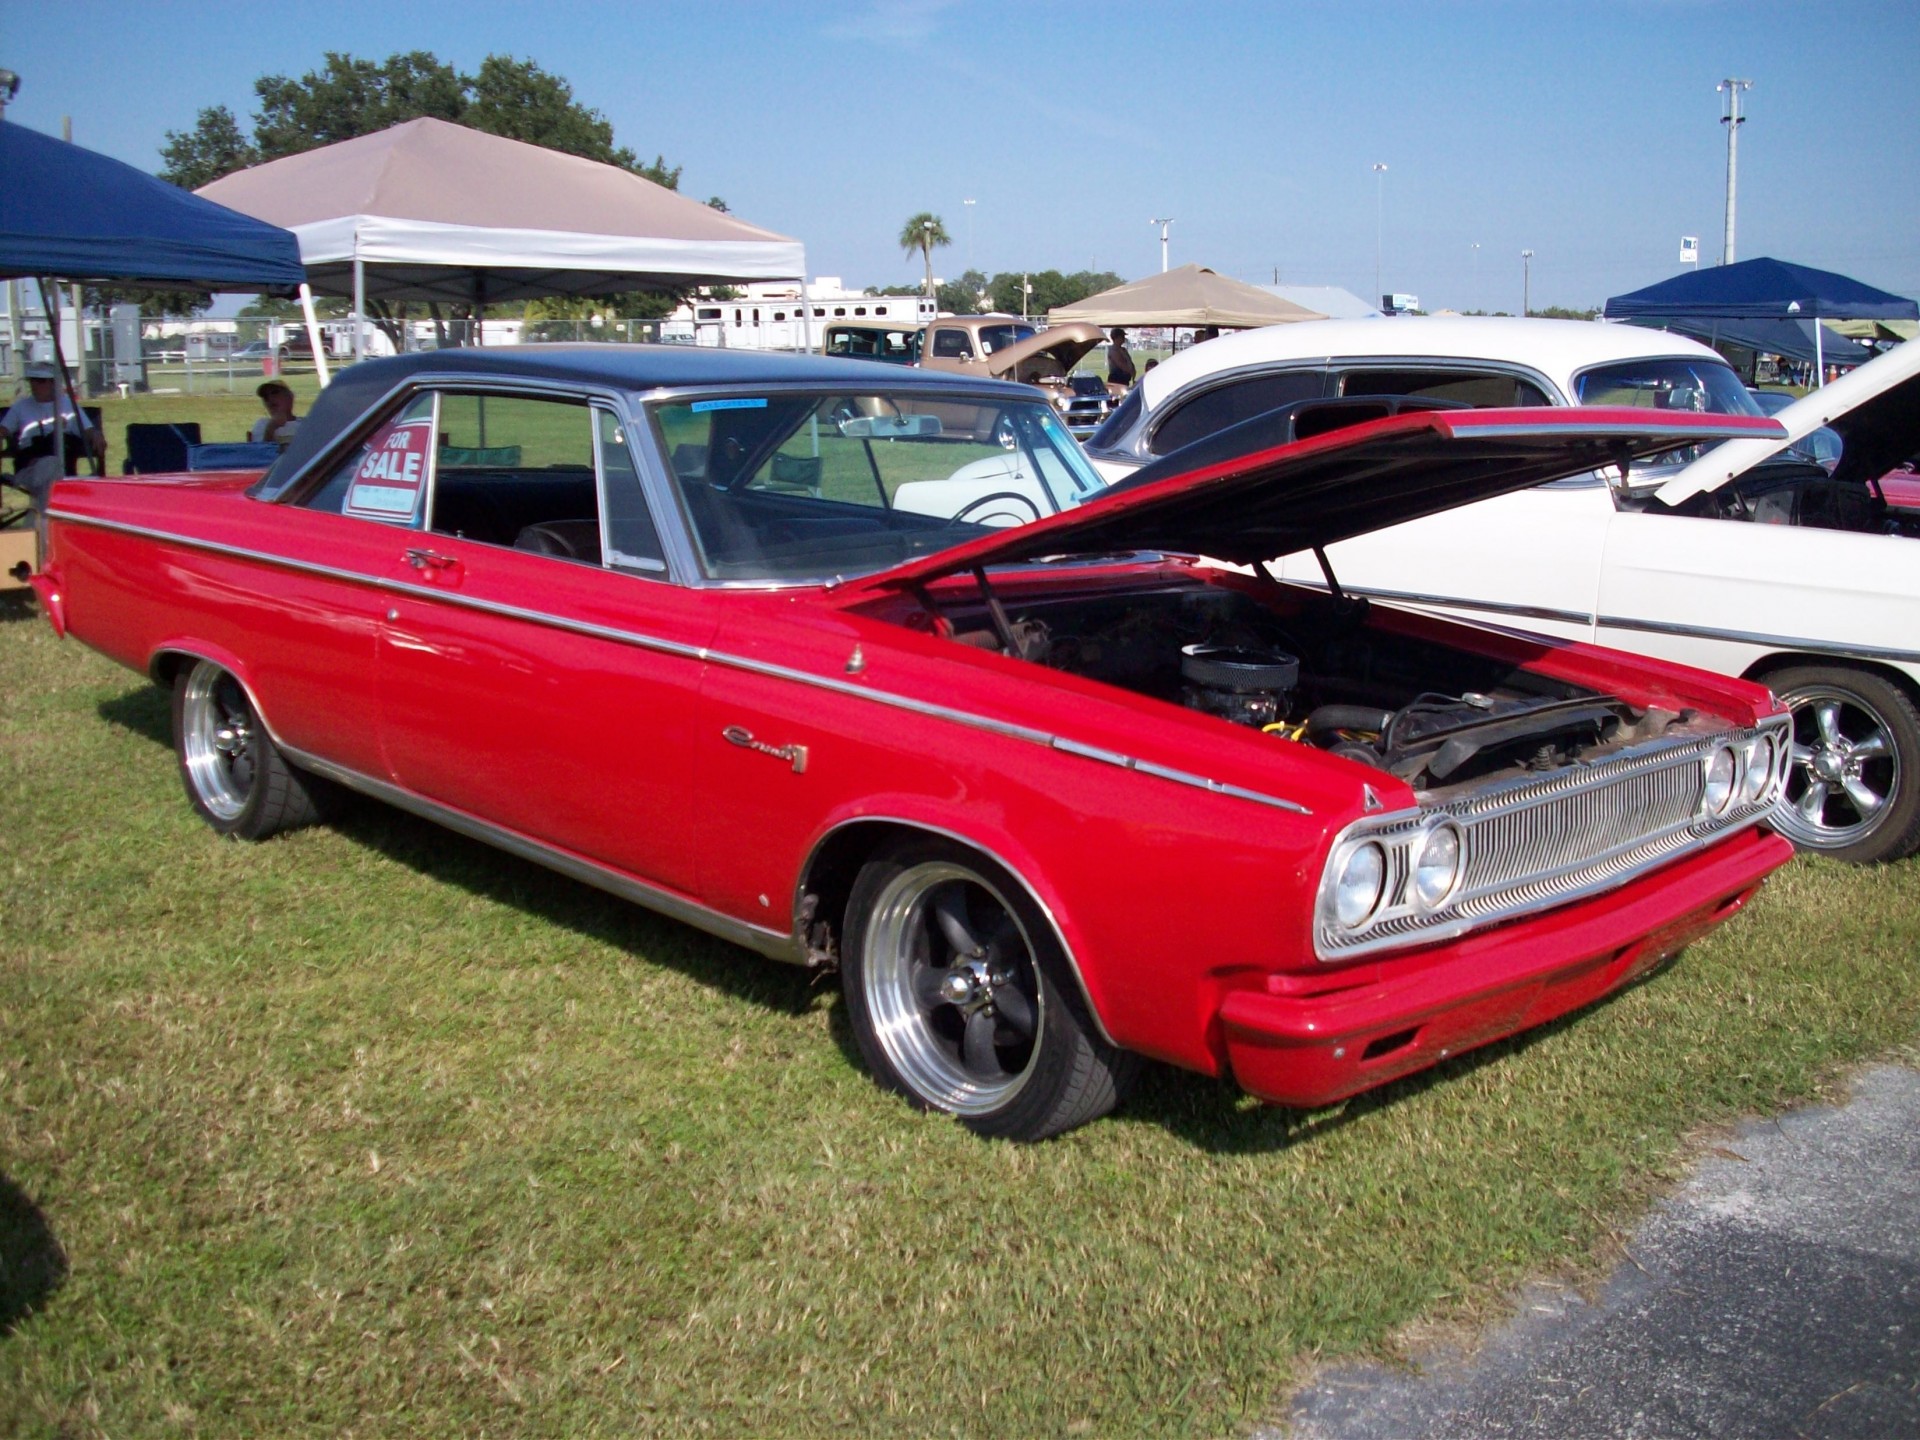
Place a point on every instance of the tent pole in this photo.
(359, 301)
(50, 302)
(313, 333)
(1819, 355)
(479, 309)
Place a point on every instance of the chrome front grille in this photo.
(1537, 842)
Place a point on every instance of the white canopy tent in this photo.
(433, 211)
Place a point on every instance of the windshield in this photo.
(998, 337)
(787, 487)
(1701, 387)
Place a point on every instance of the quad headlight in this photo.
(1723, 778)
(1358, 888)
(1437, 861)
(1756, 773)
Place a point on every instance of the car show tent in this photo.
(429, 210)
(1707, 303)
(1190, 295)
(73, 214)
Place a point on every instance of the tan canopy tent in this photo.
(1191, 295)
(433, 211)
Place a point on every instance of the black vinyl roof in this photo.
(596, 367)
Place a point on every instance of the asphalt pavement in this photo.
(1775, 1295)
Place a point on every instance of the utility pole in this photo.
(1163, 224)
(16, 346)
(1733, 120)
(969, 209)
(73, 294)
(1379, 228)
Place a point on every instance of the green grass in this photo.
(370, 1130)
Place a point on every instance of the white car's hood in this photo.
(1876, 408)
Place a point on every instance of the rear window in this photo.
(1233, 402)
(1703, 387)
(1484, 390)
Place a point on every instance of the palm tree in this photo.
(922, 233)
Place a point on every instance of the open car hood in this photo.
(1277, 499)
(1066, 344)
(1875, 409)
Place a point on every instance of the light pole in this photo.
(1733, 120)
(1379, 227)
(1163, 224)
(926, 249)
(1526, 282)
(1475, 247)
(969, 205)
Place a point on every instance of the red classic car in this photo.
(727, 634)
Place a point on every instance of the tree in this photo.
(214, 147)
(1051, 289)
(348, 97)
(964, 296)
(923, 232)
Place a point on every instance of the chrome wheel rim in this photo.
(217, 740)
(951, 989)
(1844, 771)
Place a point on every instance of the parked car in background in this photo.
(1003, 347)
(1819, 600)
(890, 342)
(716, 631)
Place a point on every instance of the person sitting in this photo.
(39, 426)
(279, 424)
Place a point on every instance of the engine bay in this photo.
(1316, 673)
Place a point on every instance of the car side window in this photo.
(632, 541)
(952, 345)
(1484, 390)
(517, 471)
(1214, 410)
(386, 475)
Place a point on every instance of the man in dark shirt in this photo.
(1119, 360)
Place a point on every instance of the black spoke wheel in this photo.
(1853, 785)
(234, 774)
(961, 1000)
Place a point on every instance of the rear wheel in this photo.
(1853, 791)
(961, 1000)
(234, 774)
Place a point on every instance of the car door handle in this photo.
(421, 559)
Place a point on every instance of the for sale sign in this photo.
(387, 483)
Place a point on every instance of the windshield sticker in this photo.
(703, 405)
(387, 484)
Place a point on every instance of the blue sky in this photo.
(1586, 133)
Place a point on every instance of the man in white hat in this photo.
(31, 427)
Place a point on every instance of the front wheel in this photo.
(1853, 791)
(961, 1000)
(235, 775)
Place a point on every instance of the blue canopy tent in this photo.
(1793, 339)
(72, 214)
(1756, 290)
(75, 215)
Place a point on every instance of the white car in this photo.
(1819, 598)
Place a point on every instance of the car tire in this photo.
(961, 1000)
(1853, 786)
(235, 775)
